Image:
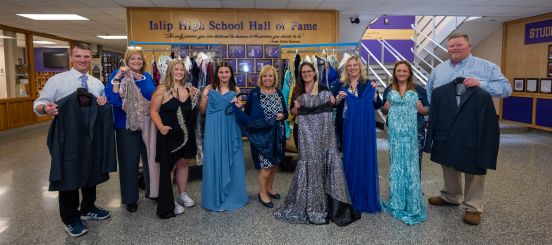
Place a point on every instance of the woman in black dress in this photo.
(172, 111)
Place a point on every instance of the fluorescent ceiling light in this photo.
(6, 37)
(43, 42)
(55, 46)
(53, 16)
(473, 18)
(113, 37)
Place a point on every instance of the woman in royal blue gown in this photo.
(223, 186)
(405, 106)
(355, 126)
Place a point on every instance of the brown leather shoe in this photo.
(471, 218)
(438, 201)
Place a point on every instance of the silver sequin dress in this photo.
(318, 191)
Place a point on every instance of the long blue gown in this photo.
(223, 166)
(406, 200)
(359, 151)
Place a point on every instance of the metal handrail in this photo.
(377, 61)
(388, 47)
(419, 57)
(428, 51)
(430, 39)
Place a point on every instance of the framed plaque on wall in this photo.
(545, 85)
(519, 84)
(549, 69)
(531, 85)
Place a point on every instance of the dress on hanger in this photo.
(318, 191)
(359, 149)
(178, 143)
(223, 186)
(406, 201)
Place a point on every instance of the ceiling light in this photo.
(43, 42)
(53, 16)
(473, 18)
(113, 37)
(6, 37)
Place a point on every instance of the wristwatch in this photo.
(44, 109)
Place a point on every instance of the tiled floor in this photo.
(517, 210)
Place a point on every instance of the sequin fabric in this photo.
(319, 171)
(406, 200)
(134, 103)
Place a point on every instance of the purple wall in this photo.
(519, 109)
(544, 115)
(395, 22)
(402, 46)
(39, 59)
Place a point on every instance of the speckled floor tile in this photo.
(518, 201)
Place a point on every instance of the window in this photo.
(51, 57)
(14, 69)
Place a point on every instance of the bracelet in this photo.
(44, 109)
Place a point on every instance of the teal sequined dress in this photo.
(406, 200)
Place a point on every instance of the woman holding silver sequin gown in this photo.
(318, 191)
(172, 111)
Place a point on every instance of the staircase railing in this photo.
(398, 56)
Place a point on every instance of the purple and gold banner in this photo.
(538, 32)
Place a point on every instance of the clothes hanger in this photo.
(133, 74)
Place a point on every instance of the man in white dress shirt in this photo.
(56, 88)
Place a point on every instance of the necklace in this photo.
(311, 88)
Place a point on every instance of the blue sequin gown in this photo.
(406, 200)
(223, 186)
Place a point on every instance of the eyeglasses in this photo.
(307, 72)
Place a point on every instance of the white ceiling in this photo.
(109, 16)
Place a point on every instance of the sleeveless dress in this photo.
(318, 191)
(406, 200)
(359, 151)
(178, 143)
(223, 186)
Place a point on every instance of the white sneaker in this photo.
(185, 200)
(178, 209)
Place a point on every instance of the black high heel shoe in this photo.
(132, 207)
(266, 204)
(275, 196)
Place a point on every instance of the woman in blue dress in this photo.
(223, 165)
(405, 190)
(356, 129)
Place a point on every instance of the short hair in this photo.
(81, 46)
(132, 51)
(460, 34)
(266, 69)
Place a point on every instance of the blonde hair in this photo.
(132, 51)
(266, 69)
(169, 78)
(345, 79)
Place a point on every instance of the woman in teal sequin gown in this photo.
(223, 186)
(405, 191)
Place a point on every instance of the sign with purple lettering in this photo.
(272, 51)
(240, 80)
(254, 51)
(538, 32)
(245, 65)
(259, 63)
(236, 50)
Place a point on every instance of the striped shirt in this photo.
(488, 74)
